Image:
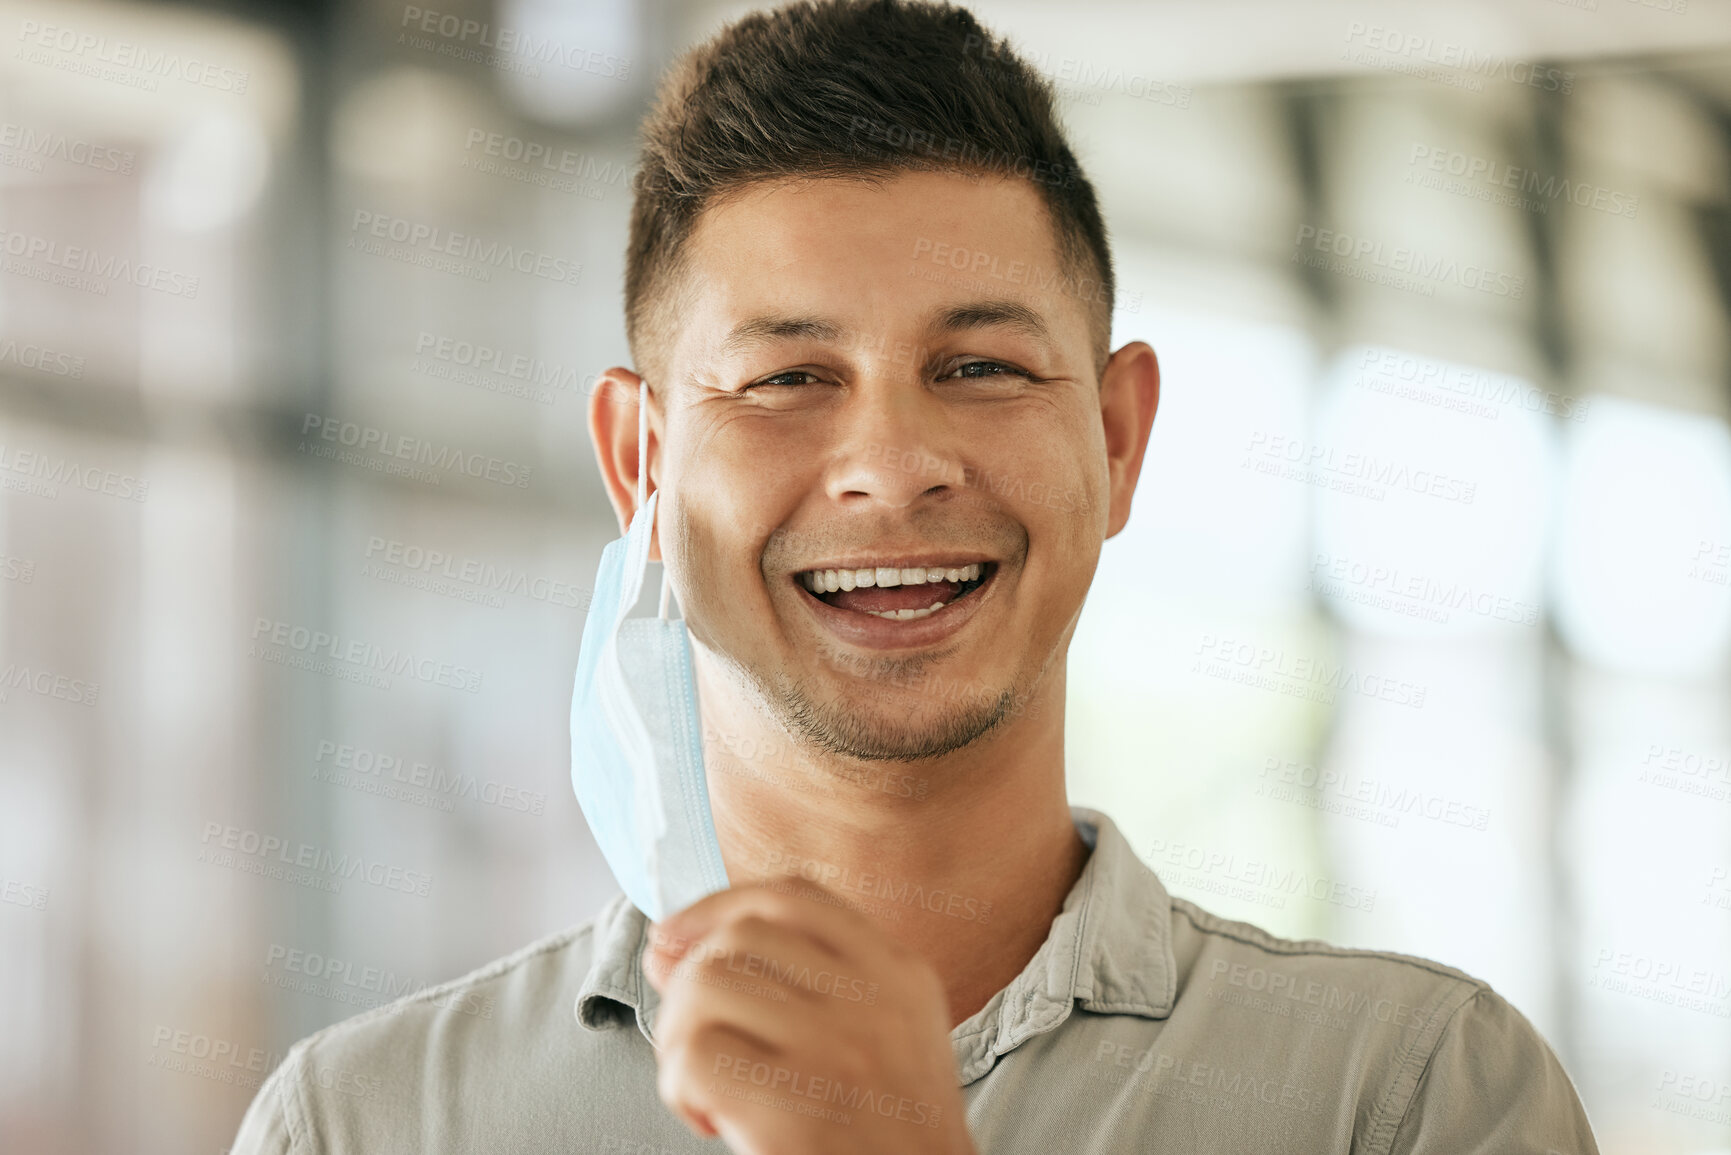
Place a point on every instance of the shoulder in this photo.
(1440, 1060)
(501, 997)
(1492, 1081)
(1239, 963)
(462, 1033)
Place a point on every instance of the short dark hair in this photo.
(861, 89)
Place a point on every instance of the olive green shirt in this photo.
(1143, 1023)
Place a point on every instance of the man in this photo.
(869, 290)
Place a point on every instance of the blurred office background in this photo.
(1417, 638)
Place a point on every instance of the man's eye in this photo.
(784, 379)
(982, 369)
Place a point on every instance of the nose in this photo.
(893, 446)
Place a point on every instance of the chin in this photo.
(887, 733)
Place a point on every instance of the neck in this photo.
(966, 858)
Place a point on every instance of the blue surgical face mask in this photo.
(636, 734)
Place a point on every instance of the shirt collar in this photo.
(1109, 950)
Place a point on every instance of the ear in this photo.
(613, 429)
(1129, 394)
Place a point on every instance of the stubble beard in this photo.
(838, 728)
(835, 725)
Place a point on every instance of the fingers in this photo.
(688, 1078)
(748, 943)
(772, 1024)
(761, 976)
(842, 932)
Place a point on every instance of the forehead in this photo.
(877, 256)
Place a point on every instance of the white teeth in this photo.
(909, 615)
(831, 580)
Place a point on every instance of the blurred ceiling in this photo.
(1211, 41)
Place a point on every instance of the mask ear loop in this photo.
(643, 481)
(642, 441)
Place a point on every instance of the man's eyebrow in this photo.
(762, 330)
(984, 314)
(994, 313)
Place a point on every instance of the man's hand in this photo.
(789, 1026)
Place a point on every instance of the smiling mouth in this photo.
(899, 593)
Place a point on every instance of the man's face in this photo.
(882, 380)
